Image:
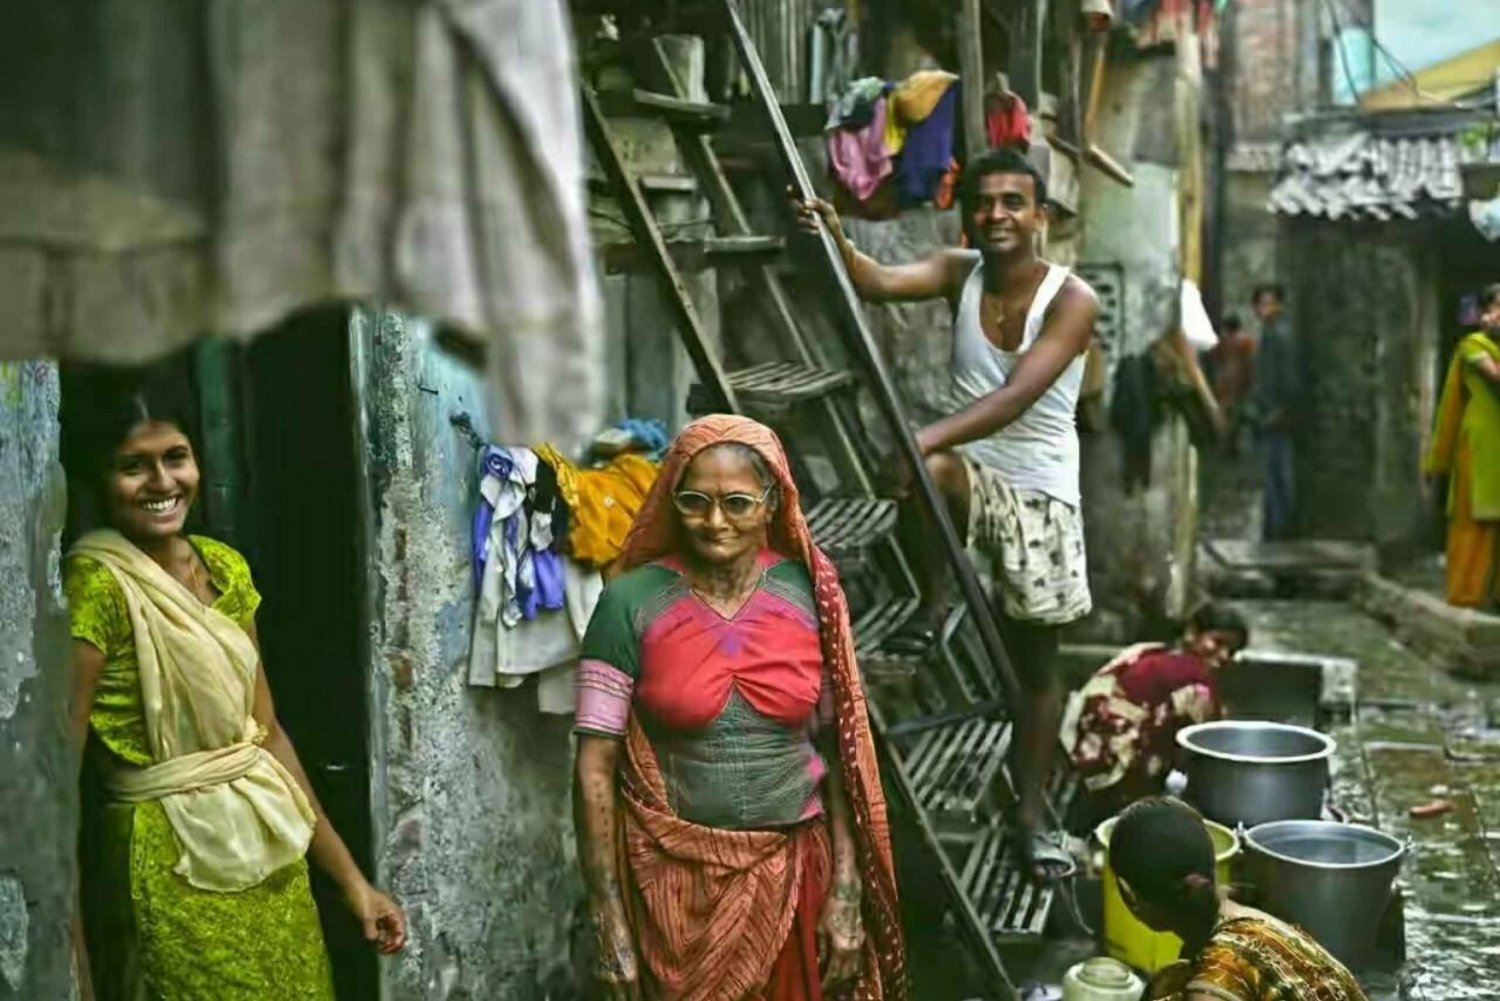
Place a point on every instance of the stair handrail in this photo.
(858, 337)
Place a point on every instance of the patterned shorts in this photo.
(1033, 545)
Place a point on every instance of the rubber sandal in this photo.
(1048, 850)
(911, 639)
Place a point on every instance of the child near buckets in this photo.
(1120, 730)
(1163, 861)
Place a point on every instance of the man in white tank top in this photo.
(1006, 458)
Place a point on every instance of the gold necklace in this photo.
(996, 307)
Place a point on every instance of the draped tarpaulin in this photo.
(176, 168)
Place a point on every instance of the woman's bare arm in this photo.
(88, 664)
(594, 809)
(383, 921)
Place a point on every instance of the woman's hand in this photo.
(382, 919)
(841, 935)
(616, 967)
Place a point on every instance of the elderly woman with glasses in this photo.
(729, 814)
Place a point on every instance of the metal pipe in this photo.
(862, 344)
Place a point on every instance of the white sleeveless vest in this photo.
(1039, 450)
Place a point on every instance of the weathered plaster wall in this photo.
(38, 771)
(470, 787)
(1141, 543)
(1364, 309)
(1249, 254)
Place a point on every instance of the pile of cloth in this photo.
(544, 528)
(892, 145)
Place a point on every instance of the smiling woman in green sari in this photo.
(196, 878)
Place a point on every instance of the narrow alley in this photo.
(750, 500)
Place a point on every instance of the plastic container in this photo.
(1125, 937)
(1102, 979)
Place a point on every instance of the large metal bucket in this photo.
(1242, 772)
(1332, 879)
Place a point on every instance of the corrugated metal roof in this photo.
(1362, 176)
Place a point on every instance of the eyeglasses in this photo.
(736, 507)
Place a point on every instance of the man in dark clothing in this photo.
(1278, 382)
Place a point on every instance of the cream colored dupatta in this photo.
(238, 814)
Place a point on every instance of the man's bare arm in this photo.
(1064, 336)
(934, 276)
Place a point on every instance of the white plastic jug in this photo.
(1102, 979)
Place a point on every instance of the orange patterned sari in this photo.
(1252, 959)
(713, 911)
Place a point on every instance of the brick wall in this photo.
(1272, 61)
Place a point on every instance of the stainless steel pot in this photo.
(1332, 879)
(1242, 772)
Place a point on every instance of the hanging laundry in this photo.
(602, 502)
(1006, 120)
(928, 151)
(913, 100)
(650, 434)
(548, 646)
(503, 534)
(859, 159)
(854, 108)
(1132, 415)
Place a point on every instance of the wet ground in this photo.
(1415, 735)
(1418, 736)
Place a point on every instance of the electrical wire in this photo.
(1338, 41)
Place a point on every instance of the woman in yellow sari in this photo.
(196, 877)
(1466, 448)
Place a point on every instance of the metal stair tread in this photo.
(776, 385)
(652, 182)
(1012, 905)
(749, 244)
(878, 622)
(842, 525)
(778, 381)
(674, 110)
(954, 766)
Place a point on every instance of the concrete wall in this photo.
(470, 787)
(1141, 544)
(38, 771)
(1249, 250)
(1272, 64)
(1365, 310)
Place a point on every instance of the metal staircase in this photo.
(941, 718)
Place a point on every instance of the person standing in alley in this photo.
(195, 875)
(1465, 447)
(1233, 363)
(1278, 383)
(727, 800)
(1007, 459)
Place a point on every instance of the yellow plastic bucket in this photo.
(1125, 937)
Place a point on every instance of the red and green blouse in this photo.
(731, 704)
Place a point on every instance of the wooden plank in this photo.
(1025, 65)
(969, 35)
(732, 221)
(646, 232)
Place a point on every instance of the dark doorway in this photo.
(300, 519)
(273, 426)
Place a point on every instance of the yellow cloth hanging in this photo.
(911, 102)
(602, 503)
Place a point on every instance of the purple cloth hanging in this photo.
(928, 151)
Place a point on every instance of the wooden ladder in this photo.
(942, 719)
